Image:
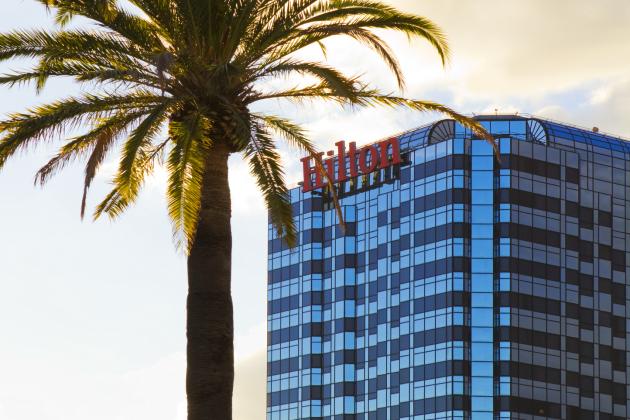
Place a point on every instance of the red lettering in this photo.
(309, 171)
(329, 164)
(341, 161)
(395, 145)
(363, 164)
(369, 158)
(352, 155)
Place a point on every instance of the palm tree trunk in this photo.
(210, 325)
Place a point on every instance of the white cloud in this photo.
(554, 112)
(602, 94)
(246, 198)
(250, 387)
(67, 393)
(155, 391)
(609, 111)
(529, 49)
(251, 341)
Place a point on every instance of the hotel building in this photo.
(463, 286)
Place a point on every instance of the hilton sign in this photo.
(360, 162)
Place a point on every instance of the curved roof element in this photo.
(442, 130)
(536, 131)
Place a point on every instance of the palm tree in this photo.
(173, 82)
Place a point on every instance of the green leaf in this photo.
(186, 167)
(137, 147)
(265, 166)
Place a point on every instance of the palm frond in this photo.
(46, 121)
(107, 129)
(340, 10)
(296, 136)
(137, 147)
(162, 13)
(186, 167)
(336, 81)
(265, 166)
(73, 44)
(237, 29)
(116, 202)
(315, 35)
(355, 18)
(84, 73)
(313, 92)
(378, 15)
(289, 131)
(371, 98)
(275, 21)
(99, 152)
(107, 14)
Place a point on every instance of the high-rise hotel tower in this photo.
(463, 286)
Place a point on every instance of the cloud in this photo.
(251, 341)
(250, 382)
(69, 393)
(155, 391)
(605, 106)
(554, 112)
(250, 387)
(529, 48)
(246, 198)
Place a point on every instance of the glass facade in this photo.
(463, 286)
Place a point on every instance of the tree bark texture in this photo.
(210, 324)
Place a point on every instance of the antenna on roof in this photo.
(496, 111)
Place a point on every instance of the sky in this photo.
(92, 319)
